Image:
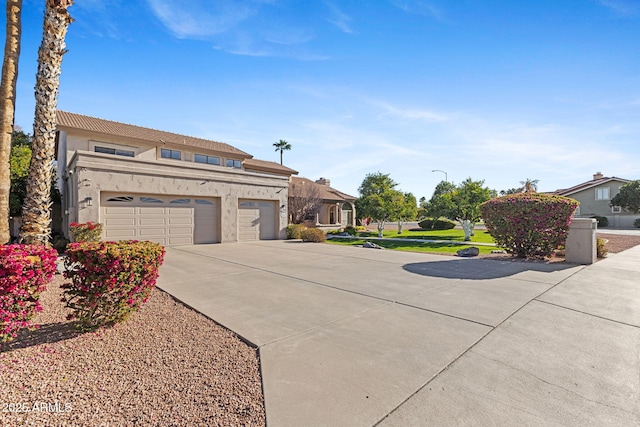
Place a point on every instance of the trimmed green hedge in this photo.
(436, 224)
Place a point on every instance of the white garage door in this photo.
(162, 219)
(257, 220)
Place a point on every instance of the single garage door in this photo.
(162, 219)
(257, 220)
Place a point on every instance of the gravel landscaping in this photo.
(167, 365)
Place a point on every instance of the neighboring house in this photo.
(595, 197)
(147, 184)
(336, 209)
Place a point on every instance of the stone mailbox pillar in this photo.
(581, 241)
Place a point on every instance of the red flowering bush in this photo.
(85, 232)
(529, 225)
(109, 280)
(25, 270)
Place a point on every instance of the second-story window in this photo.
(210, 160)
(602, 193)
(165, 153)
(115, 151)
(231, 163)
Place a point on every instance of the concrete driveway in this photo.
(360, 337)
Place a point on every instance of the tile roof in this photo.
(326, 192)
(107, 127)
(587, 184)
(269, 167)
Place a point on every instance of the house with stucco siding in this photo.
(147, 184)
(336, 209)
(595, 197)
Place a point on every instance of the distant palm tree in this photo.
(36, 217)
(7, 107)
(281, 146)
(529, 185)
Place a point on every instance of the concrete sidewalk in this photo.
(358, 337)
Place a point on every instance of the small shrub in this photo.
(85, 232)
(601, 248)
(109, 280)
(529, 225)
(313, 235)
(351, 230)
(294, 231)
(426, 224)
(436, 224)
(602, 221)
(25, 270)
(636, 223)
(443, 224)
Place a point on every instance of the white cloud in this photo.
(409, 114)
(201, 18)
(240, 27)
(419, 7)
(339, 18)
(621, 7)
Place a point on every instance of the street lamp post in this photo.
(445, 174)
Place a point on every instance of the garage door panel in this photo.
(180, 220)
(120, 234)
(152, 232)
(152, 211)
(179, 240)
(147, 221)
(116, 221)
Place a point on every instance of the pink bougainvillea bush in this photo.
(25, 271)
(109, 280)
(85, 232)
(529, 225)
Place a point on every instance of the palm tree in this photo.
(281, 146)
(529, 185)
(7, 107)
(36, 217)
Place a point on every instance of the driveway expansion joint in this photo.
(587, 313)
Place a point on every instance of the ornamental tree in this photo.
(408, 211)
(459, 203)
(379, 200)
(629, 197)
(529, 225)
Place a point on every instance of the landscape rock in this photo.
(469, 252)
(371, 245)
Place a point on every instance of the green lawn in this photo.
(444, 248)
(453, 234)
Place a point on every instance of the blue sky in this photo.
(495, 90)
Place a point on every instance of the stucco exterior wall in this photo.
(590, 207)
(94, 173)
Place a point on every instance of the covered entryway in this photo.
(168, 220)
(256, 220)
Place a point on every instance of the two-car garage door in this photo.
(163, 219)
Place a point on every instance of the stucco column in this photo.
(580, 247)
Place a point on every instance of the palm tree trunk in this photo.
(36, 216)
(7, 108)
